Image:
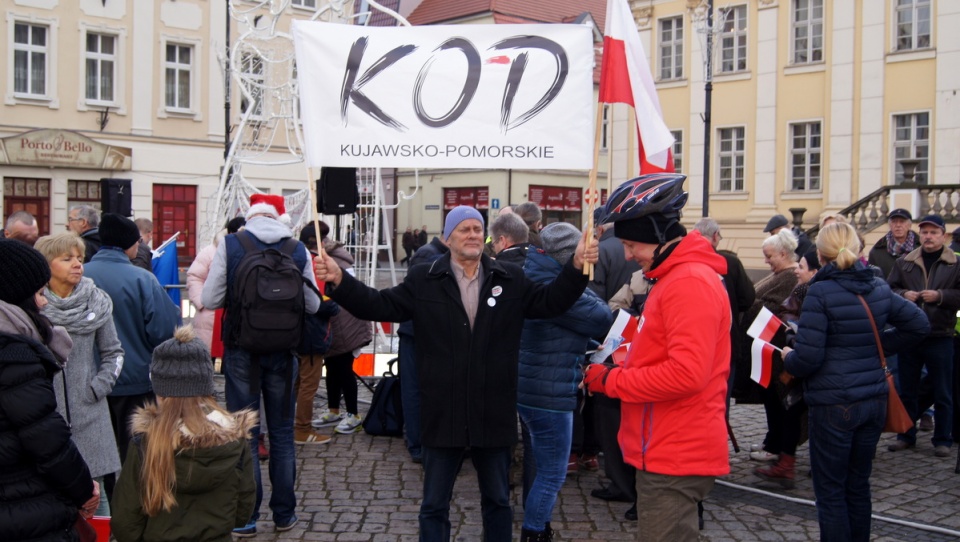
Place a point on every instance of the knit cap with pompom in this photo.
(182, 366)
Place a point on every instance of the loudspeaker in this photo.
(337, 192)
(116, 196)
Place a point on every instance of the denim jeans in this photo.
(843, 441)
(410, 395)
(937, 354)
(277, 375)
(550, 436)
(440, 468)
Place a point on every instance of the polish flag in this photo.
(761, 362)
(764, 326)
(625, 78)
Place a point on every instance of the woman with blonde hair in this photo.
(844, 383)
(74, 302)
(189, 472)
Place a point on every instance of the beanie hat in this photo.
(269, 204)
(458, 215)
(23, 273)
(181, 366)
(778, 221)
(559, 240)
(118, 231)
(646, 228)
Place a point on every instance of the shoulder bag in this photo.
(898, 420)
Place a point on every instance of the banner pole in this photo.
(313, 207)
(592, 194)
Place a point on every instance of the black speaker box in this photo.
(337, 192)
(116, 196)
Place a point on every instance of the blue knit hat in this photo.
(458, 215)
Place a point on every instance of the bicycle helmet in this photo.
(660, 193)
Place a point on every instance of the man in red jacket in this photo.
(673, 384)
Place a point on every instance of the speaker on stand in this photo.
(337, 193)
(116, 196)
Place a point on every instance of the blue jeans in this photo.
(440, 468)
(843, 441)
(937, 354)
(410, 395)
(277, 375)
(551, 434)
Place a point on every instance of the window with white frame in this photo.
(807, 31)
(671, 48)
(677, 150)
(251, 66)
(911, 139)
(913, 24)
(733, 40)
(805, 156)
(178, 70)
(731, 167)
(605, 129)
(306, 4)
(30, 57)
(101, 65)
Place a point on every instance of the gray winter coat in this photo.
(90, 372)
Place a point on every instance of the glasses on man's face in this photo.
(73, 219)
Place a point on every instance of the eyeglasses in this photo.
(71, 219)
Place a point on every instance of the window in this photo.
(731, 159)
(807, 31)
(913, 24)
(179, 65)
(671, 48)
(83, 193)
(251, 66)
(912, 140)
(677, 150)
(101, 61)
(30, 59)
(733, 40)
(605, 129)
(805, 142)
(30, 195)
(306, 4)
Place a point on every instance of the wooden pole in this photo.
(312, 183)
(593, 195)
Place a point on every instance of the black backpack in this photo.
(269, 306)
(385, 417)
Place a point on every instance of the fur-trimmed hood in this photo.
(224, 429)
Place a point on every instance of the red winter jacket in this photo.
(674, 381)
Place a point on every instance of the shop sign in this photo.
(62, 148)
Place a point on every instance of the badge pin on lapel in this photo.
(497, 290)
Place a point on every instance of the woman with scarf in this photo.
(95, 361)
(44, 479)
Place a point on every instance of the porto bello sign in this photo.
(62, 148)
(475, 96)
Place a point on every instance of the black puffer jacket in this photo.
(43, 478)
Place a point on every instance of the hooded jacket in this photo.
(552, 350)
(836, 352)
(349, 332)
(673, 383)
(215, 489)
(909, 273)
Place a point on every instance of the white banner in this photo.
(464, 96)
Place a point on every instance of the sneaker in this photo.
(289, 525)
(573, 464)
(763, 455)
(262, 452)
(941, 451)
(900, 445)
(247, 531)
(310, 437)
(327, 418)
(588, 462)
(926, 422)
(349, 424)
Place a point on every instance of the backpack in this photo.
(385, 417)
(318, 331)
(269, 298)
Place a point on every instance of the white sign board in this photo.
(465, 96)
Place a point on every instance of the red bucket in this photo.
(101, 524)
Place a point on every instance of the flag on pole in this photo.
(165, 267)
(625, 78)
(764, 326)
(761, 362)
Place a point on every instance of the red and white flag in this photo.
(764, 326)
(761, 362)
(625, 78)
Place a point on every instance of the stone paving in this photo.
(361, 488)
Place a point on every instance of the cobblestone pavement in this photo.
(361, 488)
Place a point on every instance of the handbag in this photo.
(84, 529)
(898, 420)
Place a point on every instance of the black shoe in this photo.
(631, 514)
(606, 494)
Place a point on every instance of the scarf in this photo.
(82, 312)
(14, 320)
(899, 249)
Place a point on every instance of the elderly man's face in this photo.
(466, 240)
(76, 224)
(900, 226)
(21, 232)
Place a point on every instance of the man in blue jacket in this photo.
(142, 312)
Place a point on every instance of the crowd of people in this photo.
(107, 403)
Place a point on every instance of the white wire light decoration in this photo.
(707, 31)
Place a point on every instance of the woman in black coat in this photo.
(44, 481)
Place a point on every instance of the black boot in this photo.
(546, 535)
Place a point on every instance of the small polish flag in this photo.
(761, 362)
(765, 325)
